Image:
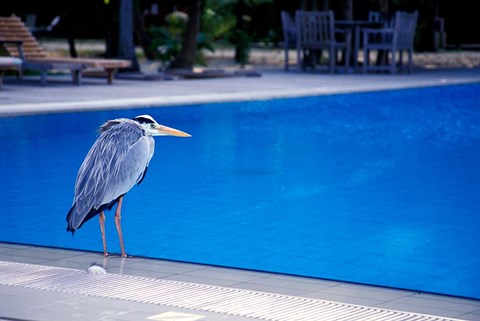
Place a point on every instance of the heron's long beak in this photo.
(168, 131)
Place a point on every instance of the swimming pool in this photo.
(379, 188)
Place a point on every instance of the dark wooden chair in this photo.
(315, 32)
(392, 41)
(289, 35)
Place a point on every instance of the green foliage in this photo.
(218, 19)
(167, 41)
(165, 44)
(218, 25)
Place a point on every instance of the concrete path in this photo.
(29, 96)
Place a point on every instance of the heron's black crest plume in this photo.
(109, 124)
(144, 119)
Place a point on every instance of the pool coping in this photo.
(29, 97)
(302, 287)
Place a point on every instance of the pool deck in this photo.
(29, 96)
(33, 300)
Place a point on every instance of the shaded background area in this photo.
(94, 18)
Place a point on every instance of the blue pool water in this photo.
(379, 188)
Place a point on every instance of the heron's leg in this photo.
(118, 219)
(101, 218)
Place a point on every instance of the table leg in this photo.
(356, 46)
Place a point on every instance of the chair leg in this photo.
(356, 43)
(286, 58)
(347, 58)
(299, 59)
(110, 75)
(393, 62)
(76, 77)
(1, 77)
(400, 60)
(314, 58)
(366, 60)
(332, 58)
(410, 61)
(19, 73)
(43, 77)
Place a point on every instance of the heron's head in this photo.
(153, 128)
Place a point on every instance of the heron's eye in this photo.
(152, 125)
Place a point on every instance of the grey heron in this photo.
(117, 161)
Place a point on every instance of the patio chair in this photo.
(8, 63)
(392, 41)
(316, 31)
(289, 35)
(34, 57)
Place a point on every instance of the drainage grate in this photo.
(200, 297)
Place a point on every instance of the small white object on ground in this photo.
(96, 269)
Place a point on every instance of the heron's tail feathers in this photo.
(70, 227)
(76, 217)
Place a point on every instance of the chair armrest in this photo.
(8, 41)
(377, 31)
(344, 32)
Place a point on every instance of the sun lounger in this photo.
(19, 42)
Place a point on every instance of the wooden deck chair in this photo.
(391, 40)
(316, 31)
(289, 35)
(35, 57)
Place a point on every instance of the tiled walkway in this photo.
(22, 298)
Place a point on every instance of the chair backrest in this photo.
(31, 21)
(404, 29)
(315, 28)
(289, 28)
(375, 16)
(12, 28)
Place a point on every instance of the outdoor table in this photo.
(356, 26)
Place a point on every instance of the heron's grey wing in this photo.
(112, 167)
(128, 169)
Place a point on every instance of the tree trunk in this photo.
(71, 46)
(186, 57)
(141, 33)
(111, 32)
(347, 10)
(325, 5)
(240, 49)
(383, 5)
(126, 46)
